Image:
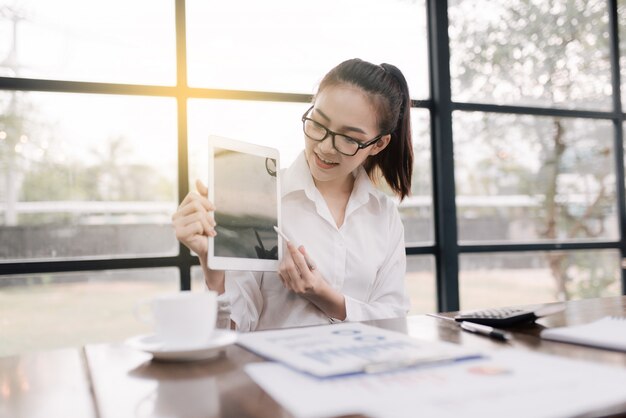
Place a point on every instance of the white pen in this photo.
(492, 332)
(309, 262)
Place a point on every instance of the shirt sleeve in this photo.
(388, 297)
(243, 289)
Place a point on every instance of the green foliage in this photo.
(52, 181)
(595, 275)
(531, 51)
(547, 53)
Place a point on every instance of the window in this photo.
(43, 311)
(114, 42)
(522, 278)
(524, 52)
(518, 185)
(286, 46)
(548, 179)
(86, 176)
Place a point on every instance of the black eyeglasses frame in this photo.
(360, 145)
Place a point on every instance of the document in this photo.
(608, 332)
(507, 383)
(340, 349)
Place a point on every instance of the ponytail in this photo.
(390, 93)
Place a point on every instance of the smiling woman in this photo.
(330, 204)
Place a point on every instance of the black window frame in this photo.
(446, 248)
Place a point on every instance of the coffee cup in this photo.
(181, 320)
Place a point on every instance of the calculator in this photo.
(498, 317)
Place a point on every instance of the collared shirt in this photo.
(364, 259)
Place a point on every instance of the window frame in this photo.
(446, 248)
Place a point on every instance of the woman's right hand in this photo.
(193, 221)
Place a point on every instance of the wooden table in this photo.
(113, 381)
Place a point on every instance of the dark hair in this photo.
(390, 95)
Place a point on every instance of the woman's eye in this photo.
(350, 140)
(317, 125)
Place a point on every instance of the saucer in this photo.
(213, 348)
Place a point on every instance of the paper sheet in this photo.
(340, 349)
(608, 332)
(509, 383)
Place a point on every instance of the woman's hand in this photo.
(296, 276)
(193, 221)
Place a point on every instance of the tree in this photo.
(18, 149)
(549, 53)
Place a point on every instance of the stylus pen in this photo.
(492, 332)
(309, 262)
(488, 331)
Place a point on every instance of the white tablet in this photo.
(244, 186)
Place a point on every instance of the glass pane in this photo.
(621, 21)
(114, 41)
(86, 175)
(526, 178)
(538, 53)
(509, 279)
(416, 209)
(271, 124)
(254, 45)
(421, 283)
(46, 311)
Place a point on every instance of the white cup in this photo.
(181, 320)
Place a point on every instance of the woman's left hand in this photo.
(296, 275)
(308, 282)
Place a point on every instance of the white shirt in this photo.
(364, 259)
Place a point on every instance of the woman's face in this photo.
(347, 110)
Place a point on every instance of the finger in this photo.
(207, 228)
(283, 279)
(290, 274)
(198, 205)
(298, 258)
(190, 196)
(293, 277)
(209, 224)
(307, 259)
(189, 224)
(202, 189)
(195, 209)
(195, 197)
(186, 232)
(291, 266)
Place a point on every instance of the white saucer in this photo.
(151, 344)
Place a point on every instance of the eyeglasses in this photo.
(342, 143)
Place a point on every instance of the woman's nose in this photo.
(326, 145)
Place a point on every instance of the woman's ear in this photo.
(381, 144)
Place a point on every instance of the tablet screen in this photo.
(245, 194)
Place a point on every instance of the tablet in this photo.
(244, 186)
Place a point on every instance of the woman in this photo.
(357, 130)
